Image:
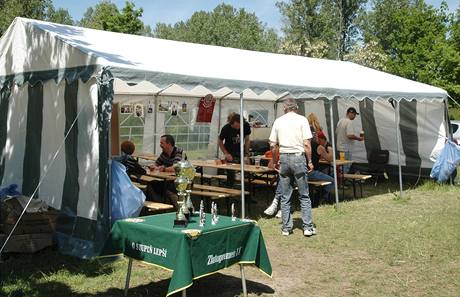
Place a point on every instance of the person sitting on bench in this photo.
(131, 164)
(165, 191)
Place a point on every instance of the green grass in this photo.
(382, 245)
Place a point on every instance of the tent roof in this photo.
(31, 45)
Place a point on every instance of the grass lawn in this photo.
(377, 246)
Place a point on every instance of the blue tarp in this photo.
(447, 162)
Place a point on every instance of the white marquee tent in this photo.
(57, 90)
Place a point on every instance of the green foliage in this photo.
(224, 26)
(106, 16)
(34, 9)
(320, 28)
(414, 36)
(369, 55)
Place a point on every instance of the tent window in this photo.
(131, 128)
(258, 117)
(192, 137)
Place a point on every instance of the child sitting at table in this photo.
(131, 164)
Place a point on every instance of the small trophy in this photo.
(233, 212)
(215, 218)
(202, 214)
(181, 220)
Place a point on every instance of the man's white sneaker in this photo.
(271, 210)
(286, 233)
(278, 214)
(309, 231)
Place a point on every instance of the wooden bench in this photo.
(140, 186)
(357, 178)
(143, 179)
(157, 207)
(235, 192)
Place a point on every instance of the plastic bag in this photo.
(127, 200)
(11, 190)
(447, 162)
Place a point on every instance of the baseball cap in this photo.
(352, 109)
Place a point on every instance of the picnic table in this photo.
(192, 252)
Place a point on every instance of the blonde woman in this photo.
(314, 122)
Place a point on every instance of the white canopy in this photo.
(29, 46)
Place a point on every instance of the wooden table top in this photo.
(145, 156)
(231, 166)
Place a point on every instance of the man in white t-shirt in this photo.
(291, 135)
(346, 135)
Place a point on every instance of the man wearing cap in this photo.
(291, 135)
(346, 136)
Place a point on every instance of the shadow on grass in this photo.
(214, 285)
(48, 261)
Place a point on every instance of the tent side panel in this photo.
(410, 139)
(430, 129)
(384, 116)
(16, 127)
(5, 94)
(34, 126)
(54, 123)
(371, 139)
(88, 151)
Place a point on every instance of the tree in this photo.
(60, 16)
(34, 9)
(106, 16)
(224, 26)
(312, 24)
(305, 28)
(344, 13)
(369, 55)
(414, 36)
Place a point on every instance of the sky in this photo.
(172, 11)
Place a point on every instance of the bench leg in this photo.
(354, 189)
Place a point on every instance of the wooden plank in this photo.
(212, 195)
(357, 176)
(212, 176)
(144, 179)
(142, 187)
(320, 183)
(155, 206)
(218, 189)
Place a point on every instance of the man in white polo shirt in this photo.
(346, 136)
(291, 136)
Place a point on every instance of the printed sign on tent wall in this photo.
(139, 110)
(205, 109)
(126, 109)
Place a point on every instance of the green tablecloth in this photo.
(154, 240)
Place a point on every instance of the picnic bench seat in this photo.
(219, 189)
(140, 186)
(143, 179)
(151, 207)
(356, 179)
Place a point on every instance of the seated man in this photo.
(165, 191)
(131, 164)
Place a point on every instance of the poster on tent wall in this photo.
(205, 109)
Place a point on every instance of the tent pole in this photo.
(155, 103)
(242, 155)
(334, 162)
(219, 125)
(399, 149)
